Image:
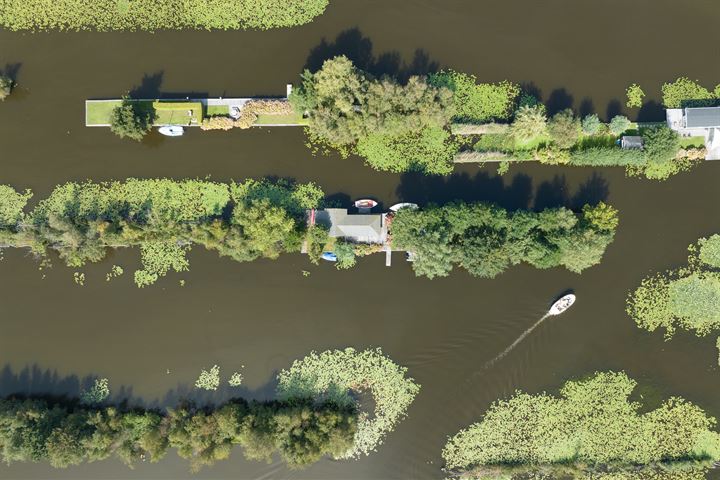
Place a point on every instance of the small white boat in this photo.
(400, 206)
(171, 131)
(365, 204)
(562, 304)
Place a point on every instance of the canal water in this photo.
(256, 318)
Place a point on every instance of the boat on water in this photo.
(171, 131)
(400, 206)
(365, 204)
(329, 257)
(562, 304)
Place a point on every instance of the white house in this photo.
(698, 122)
(357, 228)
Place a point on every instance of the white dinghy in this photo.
(171, 131)
(562, 304)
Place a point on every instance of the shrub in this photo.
(619, 124)
(430, 150)
(217, 123)
(6, 86)
(128, 120)
(150, 15)
(661, 147)
(552, 155)
(345, 253)
(564, 129)
(635, 96)
(684, 92)
(591, 430)
(529, 123)
(335, 375)
(478, 103)
(607, 157)
(591, 124)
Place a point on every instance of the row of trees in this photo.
(82, 221)
(66, 433)
(486, 240)
(151, 15)
(592, 431)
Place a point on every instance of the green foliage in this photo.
(687, 298)
(486, 240)
(601, 216)
(661, 146)
(128, 120)
(336, 375)
(607, 157)
(209, 380)
(635, 96)
(97, 393)
(684, 92)
(65, 434)
(552, 155)
(592, 429)
(619, 124)
(478, 103)
(564, 129)
(345, 104)
(429, 150)
(81, 221)
(6, 86)
(591, 125)
(529, 123)
(345, 253)
(316, 239)
(150, 15)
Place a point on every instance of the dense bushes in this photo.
(591, 431)
(249, 114)
(607, 157)
(485, 240)
(68, 433)
(151, 15)
(478, 103)
(687, 298)
(81, 221)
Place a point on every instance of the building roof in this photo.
(702, 117)
(360, 228)
(631, 142)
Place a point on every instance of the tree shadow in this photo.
(11, 70)
(586, 107)
(614, 108)
(425, 189)
(556, 193)
(651, 111)
(359, 49)
(531, 89)
(149, 86)
(559, 100)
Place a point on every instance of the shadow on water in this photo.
(651, 111)
(33, 381)
(150, 86)
(359, 48)
(613, 109)
(586, 107)
(558, 101)
(516, 195)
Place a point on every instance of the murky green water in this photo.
(265, 314)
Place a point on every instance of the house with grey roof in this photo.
(698, 122)
(357, 228)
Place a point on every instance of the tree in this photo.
(529, 123)
(635, 96)
(684, 92)
(430, 150)
(345, 254)
(661, 145)
(564, 129)
(129, 121)
(478, 103)
(591, 124)
(619, 124)
(6, 86)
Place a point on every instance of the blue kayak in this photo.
(329, 256)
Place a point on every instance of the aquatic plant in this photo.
(209, 380)
(591, 429)
(97, 393)
(635, 96)
(150, 15)
(684, 92)
(336, 375)
(236, 379)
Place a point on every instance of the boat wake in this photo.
(516, 342)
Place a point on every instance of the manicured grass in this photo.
(98, 113)
(217, 110)
(689, 142)
(292, 119)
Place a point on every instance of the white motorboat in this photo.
(171, 131)
(400, 206)
(562, 304)
(365, 204)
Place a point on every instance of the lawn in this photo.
(690, 142)
(98, 112)
(217, 110)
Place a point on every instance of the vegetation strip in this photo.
(151, 15)
(592, 431)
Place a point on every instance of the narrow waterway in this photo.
(264, 314)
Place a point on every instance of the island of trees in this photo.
(592, 431)
(81, 222)
(433, 120)
(686, 298)
(151, 15)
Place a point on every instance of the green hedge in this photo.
(151, 15)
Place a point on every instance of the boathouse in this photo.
(357, 228)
